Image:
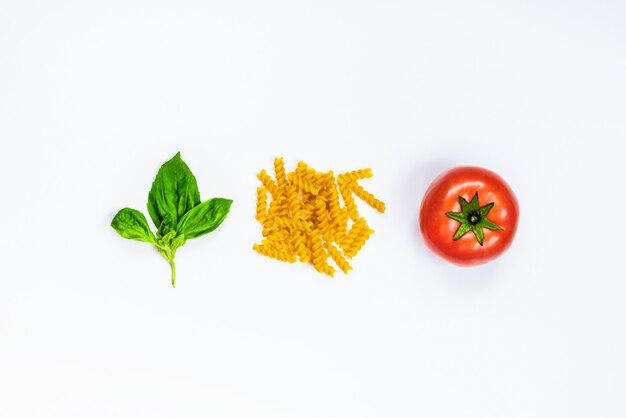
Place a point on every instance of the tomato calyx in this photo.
(473, 217)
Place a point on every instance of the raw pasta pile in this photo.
(305, 220)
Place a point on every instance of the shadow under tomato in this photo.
(414, 188)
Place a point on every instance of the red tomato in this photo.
(469, 216)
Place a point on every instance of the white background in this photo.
(95, 96)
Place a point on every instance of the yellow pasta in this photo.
(339, 259)
(305, 219)
(269, 184)
(356, 175)
(304, 182)
(318, 254)
(362, 233)
(348, 240)
(300, 244)
(279, 169)
(275, 253)
(261, 204)
(346, 193)
(323, 219)
(367, 197)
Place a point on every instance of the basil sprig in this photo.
(175, 209)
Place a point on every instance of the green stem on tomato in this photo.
(473, 217)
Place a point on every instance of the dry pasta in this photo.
(304, 218)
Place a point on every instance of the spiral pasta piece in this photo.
(275, 253)
(300, 244)
(277, 209)
(279, 169)
(295, 205)
(367, 197)
(305, 219)
(269, 184)
(261, 204)
(304, 182)
(355, 175)
(346, 193)
(348, 240)
(278, 244)
(339, 259)
(295, 224)
(363, 233)
(323, 219)
(318, 253)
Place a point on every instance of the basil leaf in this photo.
(167, 238)
(167, 225)
(204, 218)
(177, 242)
(174, 192)
(132, 224)
(175, 208)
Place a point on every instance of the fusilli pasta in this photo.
(305, 219)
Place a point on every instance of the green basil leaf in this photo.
(174, 207)
(167, 238)
(132, 224)
(174, 192)
(177, 242)
(167, 225)
(204, 218)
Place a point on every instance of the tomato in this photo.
(469, 216)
